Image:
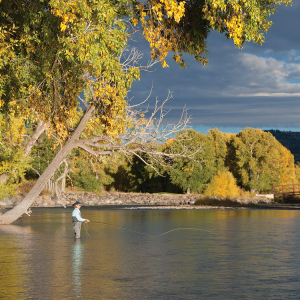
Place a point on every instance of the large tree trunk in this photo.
(17, 211)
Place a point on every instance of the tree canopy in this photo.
(53, 50)
(183, 26)
(259, 161)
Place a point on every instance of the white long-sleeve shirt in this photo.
(76, 213)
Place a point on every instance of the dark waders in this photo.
(77, 227)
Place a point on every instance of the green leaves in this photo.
(53, 50)
(257, 160)
(12, 163)
(192, 174)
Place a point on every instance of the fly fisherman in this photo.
(77, 219)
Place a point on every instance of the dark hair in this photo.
(76, 203)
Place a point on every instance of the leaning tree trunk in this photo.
(17, 211)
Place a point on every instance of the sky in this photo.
(258, 86)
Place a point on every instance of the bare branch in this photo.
(145, 162)
(60, 178)
(58, 141)
(35, 171)
(132, 57)
(144, 137)
(83, 102)
(92, 151)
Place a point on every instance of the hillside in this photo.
(289, 139)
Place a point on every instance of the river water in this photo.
(227, 254)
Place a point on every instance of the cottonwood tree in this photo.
(191, 175)
(258, 161)
(287, 167)
(53, 50)
(219, 141)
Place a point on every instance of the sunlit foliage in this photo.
(259, 161)
(183, 26)
(12, 163)
(222, 185)
(52, 50)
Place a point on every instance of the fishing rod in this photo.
(155, 236)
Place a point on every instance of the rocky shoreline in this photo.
(106, 198)
(116, 198)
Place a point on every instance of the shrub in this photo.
(222, 185)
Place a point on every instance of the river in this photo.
(152, 254)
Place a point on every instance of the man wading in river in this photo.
(77, 219)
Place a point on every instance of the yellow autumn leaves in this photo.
(171, 7)
(13, 129)
(161, 38)
(235, 27)
(242, 20)
(93, 37)
(223, 185)
(12, 163)
(67, 16)
(231, 16)
(173, 26)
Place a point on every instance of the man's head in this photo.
(77, 204)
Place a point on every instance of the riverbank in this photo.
(106, 198)
(142, 199)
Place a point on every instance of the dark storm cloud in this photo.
(258, 86)
(240, 113)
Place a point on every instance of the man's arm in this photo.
(77, 215)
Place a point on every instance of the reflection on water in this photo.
(77, 259)
(250, 254)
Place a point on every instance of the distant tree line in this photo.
(290, 140)
(252, 160)
(226, 165)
